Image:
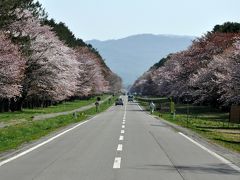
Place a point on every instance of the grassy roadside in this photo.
(27, 114)
(209, 123)
(13, 137)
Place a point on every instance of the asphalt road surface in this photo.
(123, 143)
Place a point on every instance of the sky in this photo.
(114, 19)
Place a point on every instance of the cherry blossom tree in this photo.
(208, 82)
(115, 82)
(208, 71)
(87, 72)
(52, 68)
(12, 66)
(100, 84)
(230, 81)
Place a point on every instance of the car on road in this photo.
(130, 98)
(119, 101)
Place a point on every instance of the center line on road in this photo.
(123, 122)
(123, 126)
(122, 131)
(117, 163)
(121, 138)
(120, 147)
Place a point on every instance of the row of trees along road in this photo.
(207, 73)
(43, 63)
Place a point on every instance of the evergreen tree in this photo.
(8, 10)
(64, 33)
(228, 27)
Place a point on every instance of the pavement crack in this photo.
(168, 156)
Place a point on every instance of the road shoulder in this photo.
(232, 156)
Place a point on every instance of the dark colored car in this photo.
(119, 101)
(130, 98)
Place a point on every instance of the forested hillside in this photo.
(43, 63)
(139, 51)
(208, 72)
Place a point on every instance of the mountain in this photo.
(131, 56)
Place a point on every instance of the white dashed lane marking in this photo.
(117, 163)
(120, 147)
(121, 138)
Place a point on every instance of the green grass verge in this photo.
(208, 122)
(27, 114)
(14, 136)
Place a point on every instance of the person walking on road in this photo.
(152, 107)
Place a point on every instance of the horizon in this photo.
(141, 34)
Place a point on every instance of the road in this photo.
(123, 143)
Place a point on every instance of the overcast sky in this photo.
(113, 19)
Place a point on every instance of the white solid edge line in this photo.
(120, 147)
(122, 131)
(111, 108)
(43, 143)
(121, 138)
(212, 153)
(117, 163)
(140, 107)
